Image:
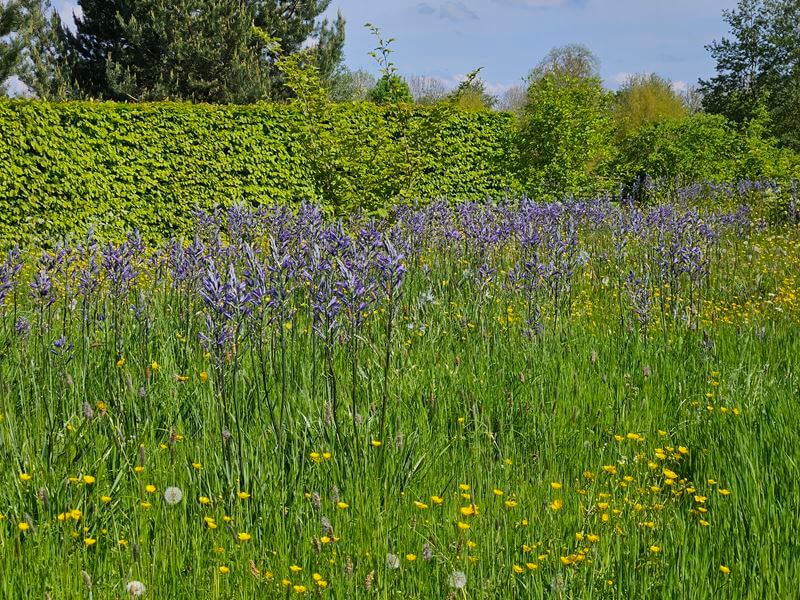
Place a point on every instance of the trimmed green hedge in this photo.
(65, 166)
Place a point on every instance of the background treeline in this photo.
(310, 129)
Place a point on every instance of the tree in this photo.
(202, 50)
(645, 99)
(390, 88)
(573, 61)
(427, 90)
(10, 48)
(350, 86)
(759, 65)
(513, 100)
(42, 67)
(565, 133)
(471, 94)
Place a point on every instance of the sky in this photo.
(507, 38)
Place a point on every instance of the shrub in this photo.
(65, 166)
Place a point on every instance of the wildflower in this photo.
(342, 505)
(146, 505)
(204, 500)
(88, 479)
(669, 474)
(182, 378)
(89, 541)
(531, 566)
(155, 366)
(724, 570)
(593, 537)
(463, 526)
(557, 504)
(243, 537)
(555, 485)
(135, 588)
(420, 505)
(224, 570)
(150, 488)
(138, 469)
(376, 443)
(610, 469)
(724, 491)
(463, 487)
(655, 549)
(24, 477)
(121, 363)
(457, 580)
(243, 495)
(299, 589)
(703, 522)
(23, 526)
(497, 492)
(173, 495)
(295, 569)
(517, 569)
(322, 584)
(469, 511)
(105, 499)
(197, 465)
(510, 503)
(203, 376)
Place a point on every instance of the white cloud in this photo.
(620, 78)
(498, 89)
(456, 11)
(532, 3)
(680, 86)
(425, 9)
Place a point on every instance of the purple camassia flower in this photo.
(225, 298)
(9, 270)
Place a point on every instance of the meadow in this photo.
(477, 400)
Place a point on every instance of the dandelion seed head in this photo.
(457, 580)
(135, 589)
(173, 495)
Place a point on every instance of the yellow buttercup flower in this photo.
(243, 537)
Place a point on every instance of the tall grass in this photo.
(554, 400)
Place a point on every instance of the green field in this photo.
(472, 401)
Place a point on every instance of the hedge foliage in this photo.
(703, 148)
(67, 166)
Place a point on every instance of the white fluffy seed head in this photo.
(173, 495)
(135, 588)
(457, 580)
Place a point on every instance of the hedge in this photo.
(66, 166)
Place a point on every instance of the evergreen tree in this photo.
(10, 49)
(201, 50)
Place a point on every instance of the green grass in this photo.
(472, 399)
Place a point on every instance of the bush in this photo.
(701, 148)
(565, 135)
(66, 166)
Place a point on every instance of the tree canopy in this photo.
(759, 64)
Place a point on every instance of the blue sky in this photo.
(446, 39)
